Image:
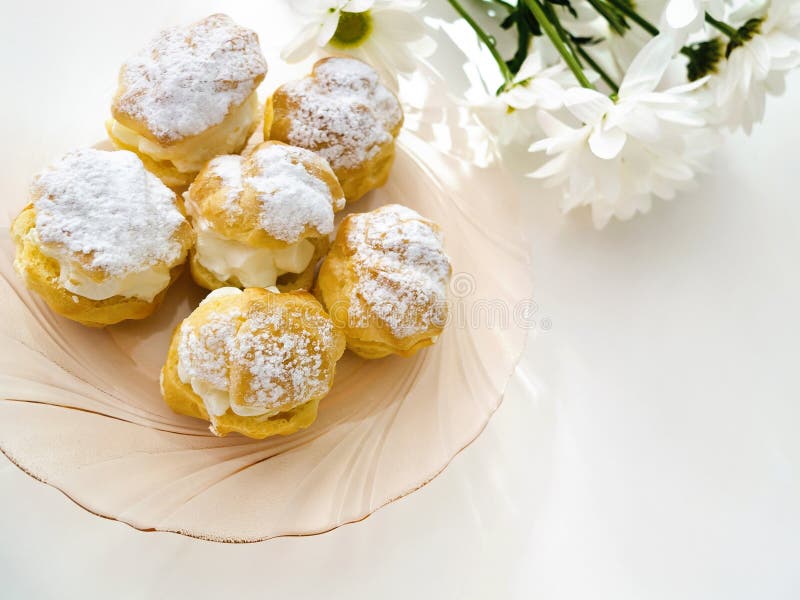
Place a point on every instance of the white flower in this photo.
(505, 124)
(511, 115)
(758, 67)
(322, 19)
(537, 85)
(690, 14)
(628, 150)
(385, 33)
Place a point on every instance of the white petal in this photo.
(302, 45)
(607, 144)
(520, 97)
(393, 56)
(782, 45)
(552, 167)
(682, 117)
(601, 215)
(681, 13)
(316, 8)
(540, 145)
(648, 67)
(398, 25)
(328, 28)
(587, 105)
(759, 53)
(552, 126)
(423, 47)
(728, 80)
(688, 87)
(549, 94)
(356, 6)
(675, 170)
(531, 66)
(776, 83)
(608, 178)
(642, 124)
(716, 8)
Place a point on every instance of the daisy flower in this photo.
(511, 115)
(757, 66)
(386, 33)
(628, 149)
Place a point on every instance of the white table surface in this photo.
(647, 447)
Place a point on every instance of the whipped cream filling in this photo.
(253, 267)
(217, 401)
(189, 156)
(145, 284)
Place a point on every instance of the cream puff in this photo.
(384, 282)
(188, 96)
(262, 219)
(102, 237)
(255, 361)
(344, 113)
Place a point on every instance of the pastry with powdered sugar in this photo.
(262, 219)
(384, 282)
(188, 96)
(344, 113)
(102, 237)
(252, 361)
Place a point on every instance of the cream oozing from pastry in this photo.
(189, 156)
(201, 362)
(290, 200)
(109, 224)
(145, 284)
(253, 267)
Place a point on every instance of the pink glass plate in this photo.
(81, 408)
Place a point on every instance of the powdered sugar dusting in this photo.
(285, 350)
(291, 198)
(203, 351)
(105, 210)
(188, 78)
(344, 113)
(284, 361)
(401, 271)
(228, 168)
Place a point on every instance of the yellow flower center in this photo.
(353, 29)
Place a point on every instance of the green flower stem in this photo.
(598, 69)
(629, 12)
(552, 16)
(577, 49)
(723, 28)
(486, 39)
(611, 15)
(552, 33)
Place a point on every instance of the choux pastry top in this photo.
(344, 113)
(188, 96)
